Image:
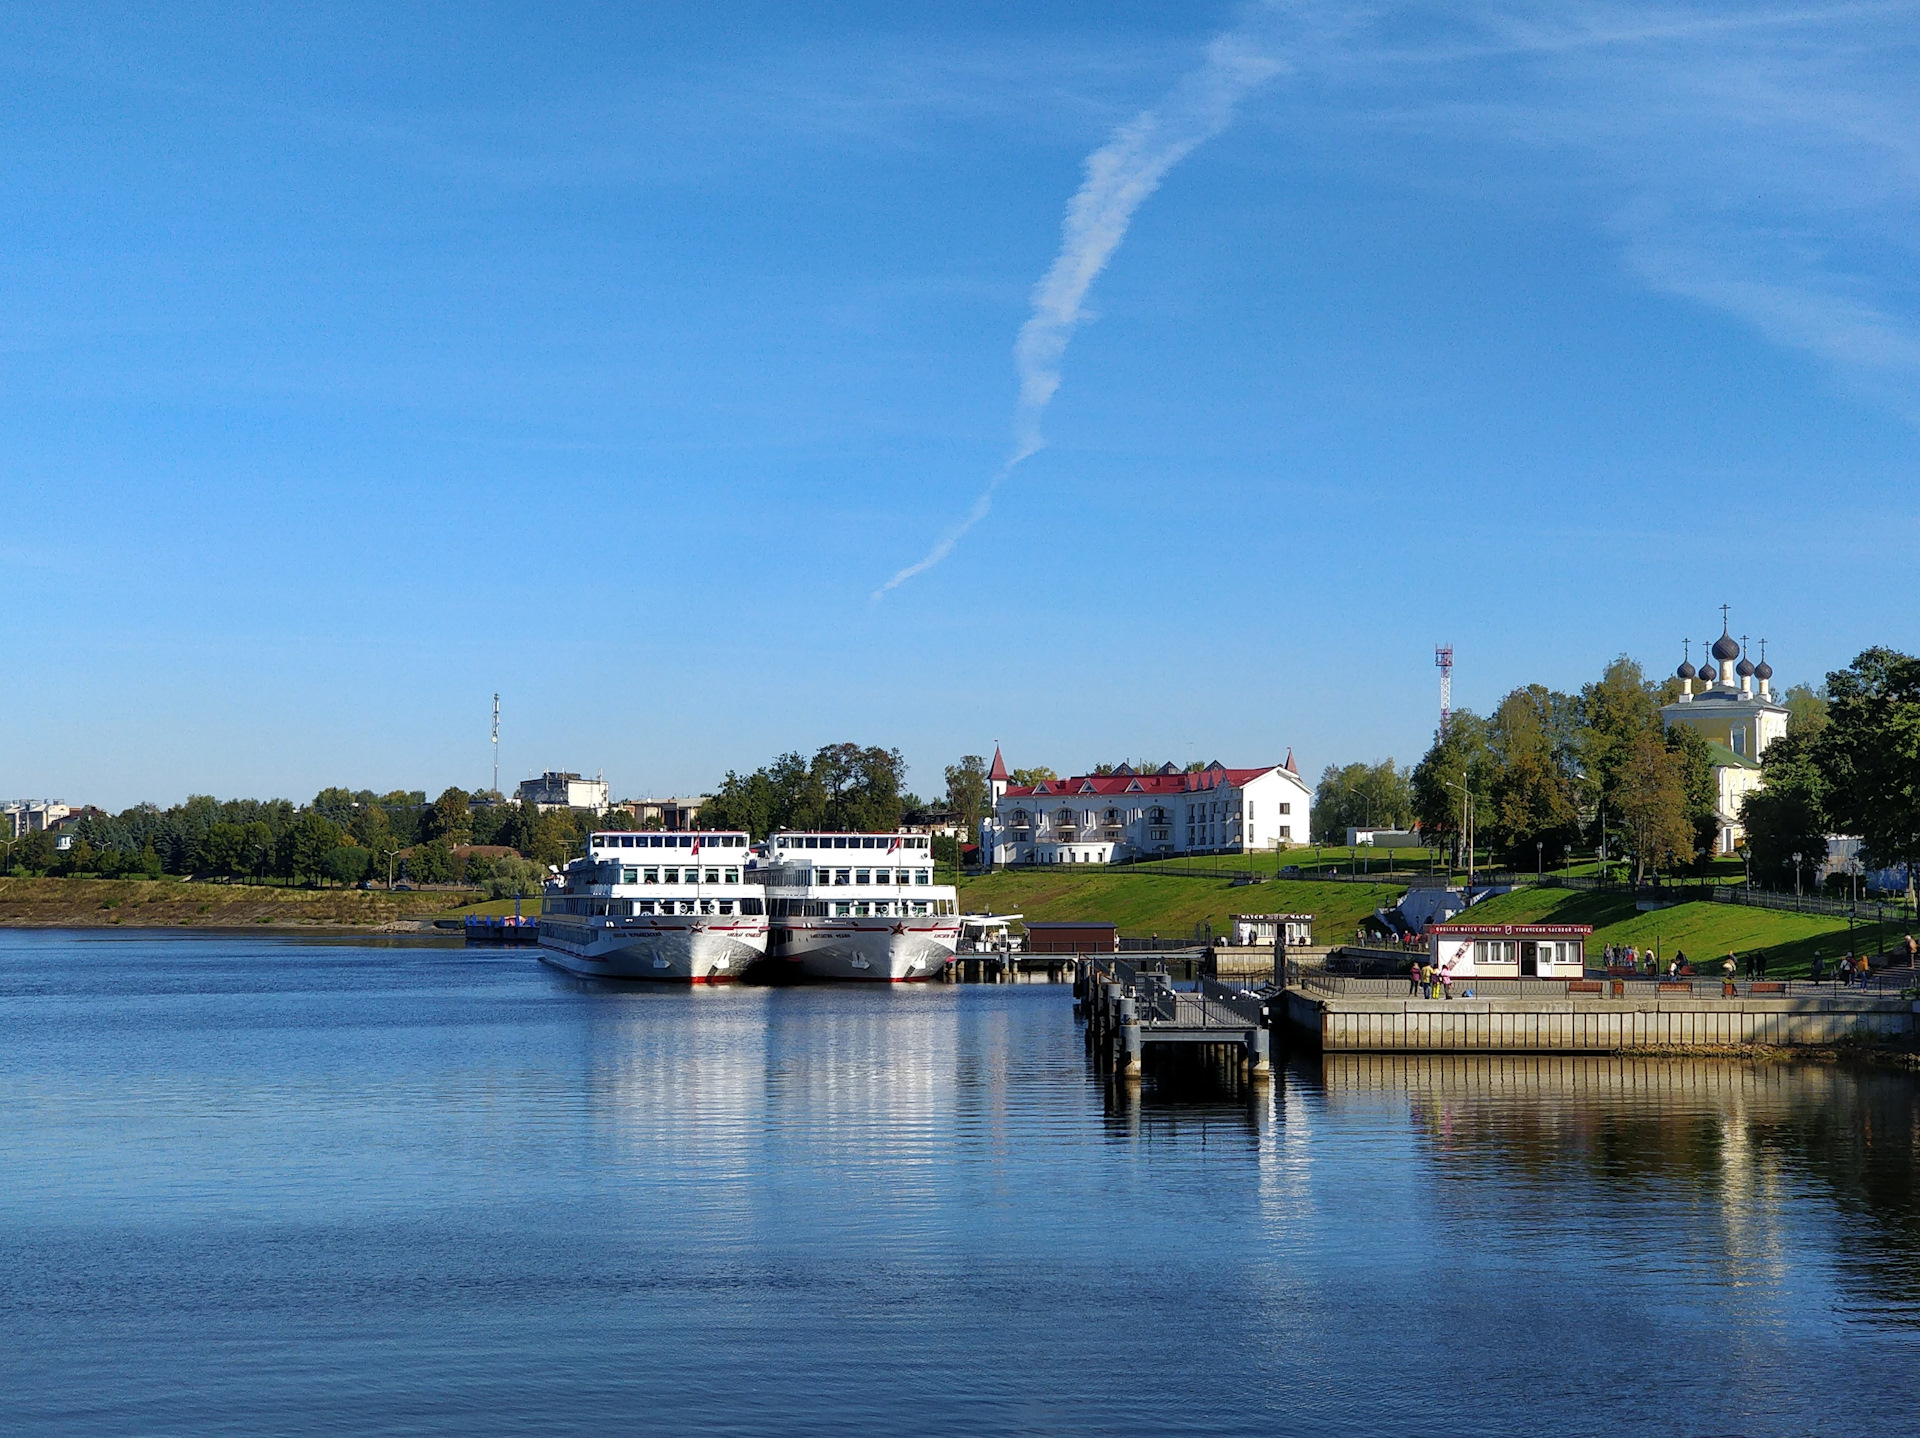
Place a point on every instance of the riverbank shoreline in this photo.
(180, 904)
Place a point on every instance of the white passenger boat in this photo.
(670, 907)
(858, 906)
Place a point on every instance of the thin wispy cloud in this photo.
(1119, 177)
(1761, 162)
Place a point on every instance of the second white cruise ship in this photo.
(669, 907)
(858, 906)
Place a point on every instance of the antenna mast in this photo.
(1443, 660)
(496, 743)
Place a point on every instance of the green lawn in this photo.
(1704, 931)
(1144, 904)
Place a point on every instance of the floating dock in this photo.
(1136, 1020)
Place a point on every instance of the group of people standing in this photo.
(1643, 961)
(1427, 982)
(1848, 970)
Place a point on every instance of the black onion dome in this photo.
(1726, 647)
(1686, 670)
(1744, 669)
(1763, 670)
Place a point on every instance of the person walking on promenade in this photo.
(1413, 978)
(1446, 979)
(1913, 951)
(1845, 974)
(1819, 966)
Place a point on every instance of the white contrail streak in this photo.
(1119, 176)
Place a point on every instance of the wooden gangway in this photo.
(1135, 1015)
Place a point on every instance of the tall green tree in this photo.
(1870, 754)
(1788, 815)
(1616, 713)
(968, 793)
(1532, 787)
(1689, 749)
(303, 848)
(1806, 708)
(1459, 760)
(448, 819)
(1650, 797)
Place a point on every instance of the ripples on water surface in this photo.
(260, 1186)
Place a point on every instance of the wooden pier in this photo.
(1137, 1021)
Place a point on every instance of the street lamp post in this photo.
(1796, 875)
(390, 853)
(1466, 813)
(1539, 860)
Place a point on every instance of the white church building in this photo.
(1098, 818)
(1729, 699)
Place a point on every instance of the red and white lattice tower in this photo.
(1443, 660)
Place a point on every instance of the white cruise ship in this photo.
(858, 906)
(672, 907)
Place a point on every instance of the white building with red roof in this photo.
(1098, 818)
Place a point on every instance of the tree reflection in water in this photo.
(1729, 1150)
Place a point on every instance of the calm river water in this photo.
(269, 1186)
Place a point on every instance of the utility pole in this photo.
(1443, 661)
(496, 744)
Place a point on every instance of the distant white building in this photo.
(557, 790)
(28, 816)
(1382, 838)
(672, 815)
(1097, 818)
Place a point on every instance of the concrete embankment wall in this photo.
(1362, 1025)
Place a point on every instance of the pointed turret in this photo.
(997, 777)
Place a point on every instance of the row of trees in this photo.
(1361, 796)
(1549, 772)
(342, 836)
(843, 786)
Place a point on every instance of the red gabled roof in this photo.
(1196, 783)
(999, 769)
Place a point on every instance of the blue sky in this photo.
(357, 364)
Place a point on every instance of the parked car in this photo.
(403, 887)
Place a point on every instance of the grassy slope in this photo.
(150, 903)
(1163, 904)
(1705, 931)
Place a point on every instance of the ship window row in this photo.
(825, 877)
(697, 906)
(852, 841)
(670, 841)
(874, 908)
(674, 876)
(888, 909)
